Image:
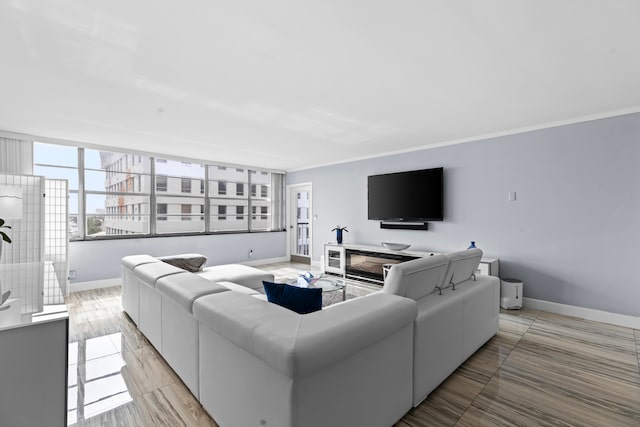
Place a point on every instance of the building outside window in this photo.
(161, 210)
(161, 183)
(186, 183)
(186, 210)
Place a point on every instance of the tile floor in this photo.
(540, 369)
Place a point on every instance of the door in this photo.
(300, 223)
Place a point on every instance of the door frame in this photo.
(290, 217)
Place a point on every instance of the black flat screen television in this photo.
(406, 196)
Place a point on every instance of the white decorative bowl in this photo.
(395, 246)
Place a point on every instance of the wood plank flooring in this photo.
(540, 369)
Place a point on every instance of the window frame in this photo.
(131, 187)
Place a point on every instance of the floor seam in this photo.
(498, 369)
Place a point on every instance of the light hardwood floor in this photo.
(540, 369)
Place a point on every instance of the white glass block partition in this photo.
(22, 261)
(56, 277)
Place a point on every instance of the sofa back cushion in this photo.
(184, 289)
(462, 265)
(300, 300)
(416, 278)
(150, 273)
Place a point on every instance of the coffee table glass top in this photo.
(325, 282)
(328, 284)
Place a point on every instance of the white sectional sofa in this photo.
(365, 361)
(457, 313)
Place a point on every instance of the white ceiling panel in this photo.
(290, 84)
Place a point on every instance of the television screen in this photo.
(406, 196)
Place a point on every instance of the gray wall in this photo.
(100, 259)
(572, 234)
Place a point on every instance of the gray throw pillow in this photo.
(189, 262)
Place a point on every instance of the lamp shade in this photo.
(10, 202)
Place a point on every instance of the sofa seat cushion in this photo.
(133, 261)
(150, 273)
(184, 289)
(300, 300)
(299, 345)
(238, 288)
(189, 262)
(237, 273)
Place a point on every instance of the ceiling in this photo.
(289, 84)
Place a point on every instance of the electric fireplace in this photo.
(364, 265)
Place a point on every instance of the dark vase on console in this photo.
(339, 231)
(472, 245)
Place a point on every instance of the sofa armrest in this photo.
(133, 261)
(300, 345)
(334, 334)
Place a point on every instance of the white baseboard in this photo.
(583, 313)
(93, 284)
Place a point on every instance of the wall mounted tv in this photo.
(406, 196)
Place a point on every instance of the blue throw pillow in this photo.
(300, 300)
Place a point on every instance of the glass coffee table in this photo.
(326, 283)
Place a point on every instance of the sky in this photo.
(60, 155)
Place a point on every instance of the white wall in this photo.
(571, 235)
(100, 259)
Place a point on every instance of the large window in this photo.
(222, 201)
(117, 193)
(112, 194)
(182, 197)
(61, 162)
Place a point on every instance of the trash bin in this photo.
(511, 294)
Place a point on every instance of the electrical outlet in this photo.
(73, 274)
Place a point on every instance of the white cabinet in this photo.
(489, 266)
(334, 260)
(33, 370)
